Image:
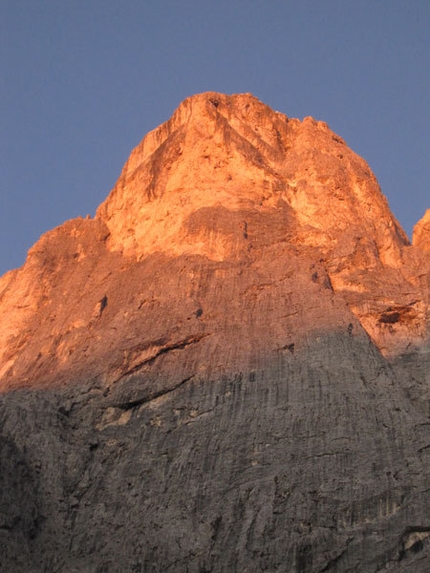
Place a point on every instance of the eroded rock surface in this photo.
(227, 369)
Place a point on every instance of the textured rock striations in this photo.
(227, 369)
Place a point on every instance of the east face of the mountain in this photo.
(222, 216)
(227, 369)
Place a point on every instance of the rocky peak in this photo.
(225, 201)
(235, 153)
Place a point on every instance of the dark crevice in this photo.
(423, 448)
(152, 396)
(416, 529)
(289, 347)
(417, 545)
(103, 303)
(389, 317)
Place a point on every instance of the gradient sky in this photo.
(82, 81)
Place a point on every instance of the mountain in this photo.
(227, 369)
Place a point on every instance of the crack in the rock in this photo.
(152, 396)
(332, 562)
(163, 350)
(413, 539)
(325, 454)
(423, 448)
(195, 418)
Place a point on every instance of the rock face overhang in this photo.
(227, 369)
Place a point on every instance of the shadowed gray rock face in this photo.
(317, 461)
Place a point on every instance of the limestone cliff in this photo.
(227, 368)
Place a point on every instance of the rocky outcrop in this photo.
(226, 369)
(421, 236)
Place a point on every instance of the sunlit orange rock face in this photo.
(421, 236)
(233, 234)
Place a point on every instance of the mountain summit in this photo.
(227, 368)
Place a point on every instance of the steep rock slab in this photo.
(316, 461)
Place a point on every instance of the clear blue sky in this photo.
(82, 81)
